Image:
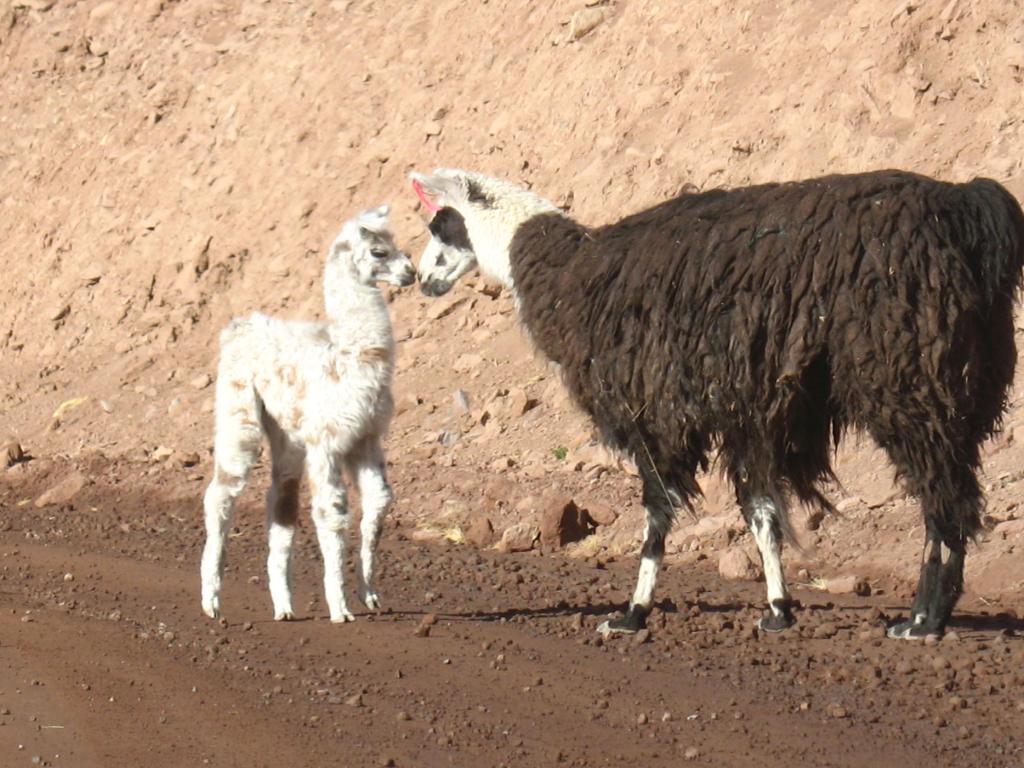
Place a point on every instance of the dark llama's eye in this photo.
(377, 253)
(440, 261)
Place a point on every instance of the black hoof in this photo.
(634, 620)
(778, 617)
(775, 622)
(909, 630)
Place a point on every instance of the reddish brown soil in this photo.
(106, 660)
(167, 164)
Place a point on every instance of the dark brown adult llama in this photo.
(765, 322)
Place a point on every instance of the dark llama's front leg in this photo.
(659, 520)
(939, 588)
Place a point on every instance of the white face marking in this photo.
(491, 218)
(764, 512)
(441, 265)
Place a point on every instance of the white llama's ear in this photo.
(438, 190)
(374, 220)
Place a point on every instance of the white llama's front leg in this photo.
(368, 468)
(330, 516)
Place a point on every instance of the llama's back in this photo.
(775, 316)
(308, 379)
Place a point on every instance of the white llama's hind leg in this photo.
(330, 516)
(237, 446)
(282, 514)
(367, 466)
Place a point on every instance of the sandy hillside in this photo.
(165, 165)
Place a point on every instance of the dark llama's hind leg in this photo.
(940, 586)
(660, 513)
(946, 483)
(763, 515)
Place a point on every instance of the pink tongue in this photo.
(431, 206)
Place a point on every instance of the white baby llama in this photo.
(321, 392)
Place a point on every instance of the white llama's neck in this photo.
(355, 308)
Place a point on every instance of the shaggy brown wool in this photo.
(767, 320)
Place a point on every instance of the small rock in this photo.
(641, 719)
(202, 381)
(11, 453)
(161, 453)
(601, 514)
(423, 629)
(355, 701)
(736, 565)
(63, 492)
(584, 22)
(836, 711)
(520, 537)
(519, 402)
(1010, 528)
(691, 753)
(480, 532)
(467, 363)
(186, 460)
(444, 307)
(826, 630)
(562, 522)
(460, 402)
(848, 585)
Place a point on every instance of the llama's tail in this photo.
(999, 240)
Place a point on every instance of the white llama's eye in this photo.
(378, 253)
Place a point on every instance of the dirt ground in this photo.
(106, 659)
(168, 164)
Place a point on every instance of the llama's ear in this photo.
(437, 190)
(374, 220)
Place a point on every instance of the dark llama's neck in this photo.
(549, 275)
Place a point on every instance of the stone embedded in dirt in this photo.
(691, 753)
(584, 22)
(460, 402)
(848, 585)
(468, 362)
(520, 537)
(355, 700)
(847, 504)
(423, 628)
(736, 565)
(519, 402)
(187, 459)
(11, 453)
(825, 631)
(443, 307)
(63, 492)
(480, 532)
(502, 464)
(836, 711)
(562, 522)
(601, 514)
(161, 453)
(1010, 528)
(202, 381)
